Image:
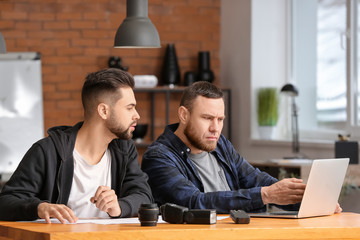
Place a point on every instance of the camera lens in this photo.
(148, 214)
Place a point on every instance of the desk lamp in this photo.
(291, 91)
(2, 44)
(137, 31)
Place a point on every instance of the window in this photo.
(325, 65)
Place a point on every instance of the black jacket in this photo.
(45, 174)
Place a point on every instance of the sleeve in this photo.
(19, 197)
(253, 179)
(135, 189)
(172, 181)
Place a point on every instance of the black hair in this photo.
(105, 82)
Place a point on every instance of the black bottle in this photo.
(205, 73)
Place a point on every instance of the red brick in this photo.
(198, 36)
(57, 43)
(56, 95)
(185, 11)
(76, 95)
(41, 34)
(14, 15)
(60, 25)
(97, 51)
(209, 46)
(68, 69)
(46, 51)
(188, 28)
(105, 43)
(95, 15)
(118, 6)
(202, 3)
(67, 35)
(6, 6)
(209, 28)
(123, 52)
(71, 86)
(6, 25)
(56, 60)
(27, 7)
(69, 16)
(69, 104)
(171, 37)
(211, 12)
(48, 87)
(55, 113)
(29, 43)
(82, 25)
(83, 42)
(106, 25)
(14, 34)
(96, 34)
(78, 115)
(70, 51)
(56, 77)
(83, 60)
(88, 69)
(47, 70)
(116, 19)
(40, 16)
(49, 104)
(29, 26)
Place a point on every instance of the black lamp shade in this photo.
(2, 44)
(290, 90)
(137, 31)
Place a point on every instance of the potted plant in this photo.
(267, 111)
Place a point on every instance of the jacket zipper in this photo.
(58, 182)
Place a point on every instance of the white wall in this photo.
(251, 41)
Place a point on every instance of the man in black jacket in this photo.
(88, 170)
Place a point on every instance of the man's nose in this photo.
(215, 126)
(136, 116)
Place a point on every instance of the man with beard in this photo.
(191, 164)
(88, 170)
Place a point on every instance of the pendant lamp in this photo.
(137, 31)
(2, 44)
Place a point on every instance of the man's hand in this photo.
(106, 200)
(59, 211)
(286, 191)
(338, 209)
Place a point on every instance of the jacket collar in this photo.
(183, 150)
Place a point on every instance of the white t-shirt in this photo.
(86, 180)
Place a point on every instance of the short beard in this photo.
(118, 130)
(196, 141)
(124, 135)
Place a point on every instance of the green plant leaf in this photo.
(267, 106)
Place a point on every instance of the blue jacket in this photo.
(173, 177)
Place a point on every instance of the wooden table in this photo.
(339, 226)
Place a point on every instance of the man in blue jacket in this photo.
(88, 170)
(193, 165)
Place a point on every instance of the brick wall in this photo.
(75, 37)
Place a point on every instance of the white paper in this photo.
(111, 220)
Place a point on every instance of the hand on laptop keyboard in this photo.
(286, 191)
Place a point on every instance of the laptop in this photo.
(321, 193)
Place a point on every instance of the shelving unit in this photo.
(167, 91)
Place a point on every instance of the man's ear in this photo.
(103, 110)
(184, 114)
